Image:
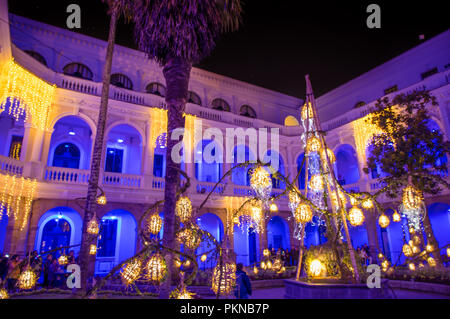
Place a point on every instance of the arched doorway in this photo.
(347, 171)
(439, 214)
(123, 150)
(246, 244)
(71, 142)
(211, 223)
(11, 131)
(278, 234)
(59, 227)
(116, 241)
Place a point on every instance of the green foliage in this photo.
(408, 147)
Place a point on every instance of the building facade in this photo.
(52, 84)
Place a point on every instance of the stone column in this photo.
(46, 146)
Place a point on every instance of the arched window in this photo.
(347, 169)
(247, 111)
(194, 98)
(278, 234)
(121, 81)
(37, 56)
(156, 88)
(221, 105)
(78, 70)
(209, 172)
(66, 155)
(56, 233)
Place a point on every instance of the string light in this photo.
(305, 110)
(257, 213)
(448, 251)
(190, 237)
(303, 213)
(367, 204)
(255, 270)
(273, 207)
(411, 266)
(269, 264)
(266, 252)
(384, 221)
(353, 201)
(294, 199)
(3, 294)
(184, 294)
(431, 261)
(263, 265)
(131, 271)
(355, 216)
(316, 183)
(31, 96)
(156, 268)
(203, 258)
(159, 124)
(313, 145)
(154, 224)
(412, 198)
(93, 228)
(261, 182)
(342, 197)
(224, 278)
(63, 260)
(429, 248)
(363, 131)
(183, 209)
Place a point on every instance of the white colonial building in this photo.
(52, 141)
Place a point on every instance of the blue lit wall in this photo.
(3, 229)
(346, 165)
(278, 234)
(439, 214)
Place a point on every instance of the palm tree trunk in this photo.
(176, 72)
(87, 261)
(431, 239)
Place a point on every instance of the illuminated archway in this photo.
(211, 223)
(246, 245)
(278, 234)
(347, 171)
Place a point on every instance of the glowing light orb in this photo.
(131, 271)
(273, 208)
(3, 294)
(183, 209)
(93, 228)
(412, 267)
(431, 261)
(313, 145)
(203, 258)
(92, 249)
(190, 237)
(303, 213)
(156, 268)
(383, 221)
(269, 264)
(429, 248)
(316, 268)
(367, 204)
(356, 216)
(448, 251)
(396, 217)
(101, 200)
(154, 224)
(334, 198)
(62, 260)
(27, 280)
(266, 252)
(255, 270)
(294, 199)
(261, 182)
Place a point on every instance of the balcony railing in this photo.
(122, 180)
(11, 166)
(66, 175)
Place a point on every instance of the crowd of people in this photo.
(51, 273)
(364, 255)
(288, 257)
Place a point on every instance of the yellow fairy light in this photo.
(316, 183)
(396, 217)
(184, 294)
(415, 249)
(367, 204)
(313, 145)
(31, 97)
(27, 280)
(273, 208)
(306, 110)
(448, 251)
(384, 221)
(412, 198)
(203, 258)
(131, 271)
(355, 216)
(411, 266)
(261, 182)
(269, 264)
(3, 294)
(277, 265)
(353, 201)
(187, 263)
(363, 131)
(416, 240)
(62, 260)
(154, 224)
(255, 270)
(257, 213)
(342, 197)
(224, 278)
(92, 250)
(93, 228)
(266, 252)
(303, 213)
(380, 255)
(177, 263)
(190, 237)
(156, 268)
(183, 209)
(429, 248)
(101, 200)
(330, 154)
(385, 264)
(316, 268)
(263, 265)
(159, 120)
(431, 261)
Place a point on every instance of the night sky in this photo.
(282, 40)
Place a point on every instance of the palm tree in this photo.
(177, 34)
(117, 8)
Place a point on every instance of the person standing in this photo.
(46, 270)
(13, 273)
(243, 286)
